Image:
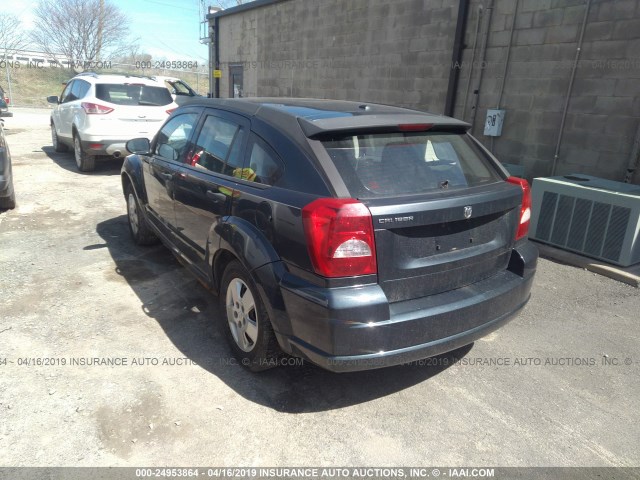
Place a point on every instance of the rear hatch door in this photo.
(138, 109)
(443, 215)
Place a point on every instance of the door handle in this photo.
(216, 197)
(167, 176)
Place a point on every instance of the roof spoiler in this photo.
(380, 123)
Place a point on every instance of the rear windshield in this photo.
(133, 94)
(392, 164)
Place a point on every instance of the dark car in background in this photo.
(353, 235)
(7, 193)
(4, 104)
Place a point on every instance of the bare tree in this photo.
(133, 55)
(12, 34)
(80, 30)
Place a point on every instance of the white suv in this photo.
(97, 114)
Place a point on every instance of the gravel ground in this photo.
(558, 386)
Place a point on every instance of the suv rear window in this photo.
(392, 164)
(133, 94)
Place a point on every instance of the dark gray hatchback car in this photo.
(7, 193)
(353, 235)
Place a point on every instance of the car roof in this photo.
(317, 116)
(116, 78)
(162, 78)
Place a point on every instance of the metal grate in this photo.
(547, 214)
(618, 222)
(597, 228)
(562, 220)
(579, 224)
(594, 228)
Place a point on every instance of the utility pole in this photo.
(6, 64)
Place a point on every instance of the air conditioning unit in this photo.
(592, 216)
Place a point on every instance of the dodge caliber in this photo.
(352, 235)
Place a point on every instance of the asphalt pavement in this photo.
(112, 355)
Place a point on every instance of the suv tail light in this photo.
(525, 209)
(340, 237)
(95, 109)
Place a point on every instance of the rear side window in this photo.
(178, 88)
(392, 164)
(132, 94)
(264, 162)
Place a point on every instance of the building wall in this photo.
(399, 52)
(239, 46)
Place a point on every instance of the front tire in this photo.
(58, 146)
(139, 227)
(247, 327)
(84, 161)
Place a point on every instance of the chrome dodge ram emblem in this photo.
(467, 212)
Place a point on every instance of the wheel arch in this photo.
(241, 241)
(132, 174)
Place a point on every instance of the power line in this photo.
(170, 5)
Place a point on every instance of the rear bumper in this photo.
(102, 146)
(355, 328)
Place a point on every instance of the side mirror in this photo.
(53, 99)
(139, 146)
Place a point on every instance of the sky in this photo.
(168, 29)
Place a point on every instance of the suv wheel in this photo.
(9, 202)
(138, 226)
(84, 161)
(55, 141)
(248, 327)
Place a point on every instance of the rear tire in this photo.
(8, 203)
(247, 326)
(84, 161)
(139, 227)
(55, 141)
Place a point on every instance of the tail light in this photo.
(171, 110)
(6, 99)
(340, 237)
(95, 109)
(525, 209)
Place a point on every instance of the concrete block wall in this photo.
(399, 53)
(239, 46)
(604, 108)
(365, 50)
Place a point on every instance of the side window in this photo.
(179, 88)
(66, 95)
(80, 89)
(173, 138)
(214, 144)
(264, 162)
